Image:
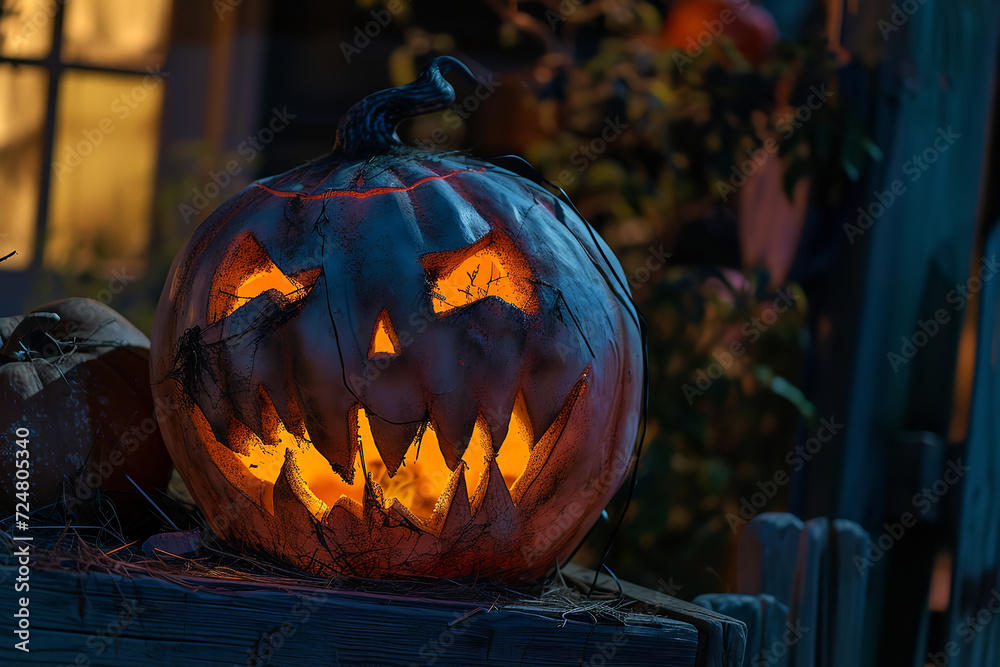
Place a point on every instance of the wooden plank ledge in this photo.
(721, 639)
(98, 618)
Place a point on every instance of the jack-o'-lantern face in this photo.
(407, 467)
(399, 365)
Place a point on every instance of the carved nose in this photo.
(384, 343)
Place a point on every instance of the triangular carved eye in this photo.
(248, 271)
(384, 343)
(492, 266)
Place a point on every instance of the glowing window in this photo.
(119, 33)
(103, 169)
(92, 211)
(26, 28)
(22, 123)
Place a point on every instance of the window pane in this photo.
(120, 33)
(26, 28)
(103, 167)
(22, 119)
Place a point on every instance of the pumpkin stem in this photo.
(369, 127)
(31, 324)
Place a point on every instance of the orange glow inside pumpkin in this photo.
(515, 450)
(492, 266)
(250, 272)
(384, 342)
(419, 482)
(258, 283)
(421, 486)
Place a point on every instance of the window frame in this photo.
(55, 67)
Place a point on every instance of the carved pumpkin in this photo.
(399, 363)
(694, 24)
(74, 389)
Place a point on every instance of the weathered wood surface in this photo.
(973, 631)
(102, 619)
(768, 550)
(721, 639)
(929, 114)
(765, 619)
(802, 591)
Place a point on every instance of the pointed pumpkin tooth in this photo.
(543, 448)
(239, 384)
(454, 416)
(255, 412)
(330, 420)
(256, 362)
(391, 440)
(492, 501)
(513, 460)
(501, 405)
(344, 516)
(211, 398)
(545, 394)
(477, 454)
(279, 384)
(273, 427)
(219, 414)
(291, 491)
(519, 433)
(230, 464)
(285, 400)
(454, 512)
(331, 426)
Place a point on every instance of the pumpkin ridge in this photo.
(363, 194)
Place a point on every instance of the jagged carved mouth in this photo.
(364, 462)
(420, 487)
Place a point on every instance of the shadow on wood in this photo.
(110, 619)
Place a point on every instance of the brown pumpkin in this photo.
(76, 412)
(399, 363)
